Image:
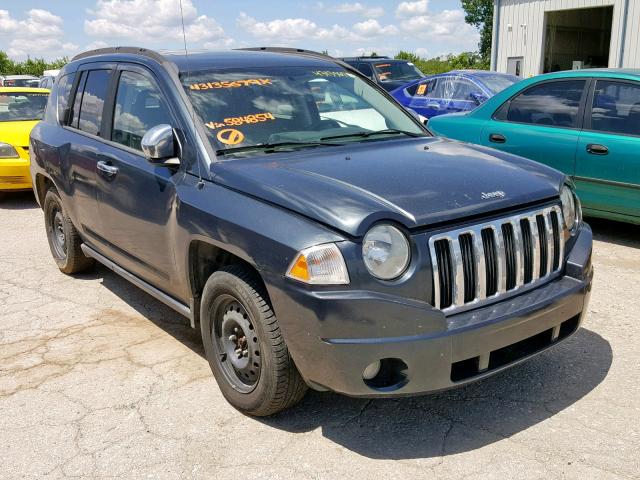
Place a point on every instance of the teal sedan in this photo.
(585, 123)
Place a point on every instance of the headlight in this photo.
(319, 265)
(385, 251)
(7, 151)
(570, 208)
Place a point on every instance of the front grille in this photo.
(477, 264)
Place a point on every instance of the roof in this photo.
(243, 58)
(373, 59)
(205, 60)
(592, 72)
(23, 90)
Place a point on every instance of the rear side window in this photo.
(63, 92)
(139, 107)
(550, 103)
(92, 103)
(616, 108)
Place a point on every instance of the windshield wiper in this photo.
(274, 146)
(386, 131)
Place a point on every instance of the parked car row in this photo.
(585, 123)
(45, 81)
(315, 231)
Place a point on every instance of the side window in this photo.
(92, 104)
(139, 107)
(72, 121)
(462, 89)
(550, 103)
(63, 91)
(616, 108)
(365, 69)
(441, 88)
(421, 89)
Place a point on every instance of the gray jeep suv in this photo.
(316, 233)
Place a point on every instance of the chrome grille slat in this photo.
(533, 226)
(517, 236)
(533, 238)
(550, 242)
(481, 269)
(458, 272)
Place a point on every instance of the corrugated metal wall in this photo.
(528, 42)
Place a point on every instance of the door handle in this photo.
(597, 149)
(497, 138)
(435, 106)
(107, 170)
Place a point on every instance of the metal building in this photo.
(539, 36)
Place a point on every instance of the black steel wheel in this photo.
(64, 240)
(244, 346)
(236, 344)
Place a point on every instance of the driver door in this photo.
(136, 199)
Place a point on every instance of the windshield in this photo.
(293, 107)
(18, 106)
(21, 82)
(497, 82)
(397, 71)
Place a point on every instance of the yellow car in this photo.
(20, 109)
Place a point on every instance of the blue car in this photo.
(455, 91)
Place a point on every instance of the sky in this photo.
(55, 28)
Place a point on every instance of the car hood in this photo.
(416, 182)
(16, 133)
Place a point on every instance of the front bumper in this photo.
(334, 335)
(15, 174)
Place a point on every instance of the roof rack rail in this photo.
(368, 57)
(285, 50)
(130, 50)
(299, 51)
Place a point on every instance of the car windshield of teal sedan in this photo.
(248, 112)
(20, 106)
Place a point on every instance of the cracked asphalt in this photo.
(98, 379)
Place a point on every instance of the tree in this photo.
(430, 66)
(479, 13)
(31, 66)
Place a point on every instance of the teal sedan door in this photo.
(541, 123)
(607, 171)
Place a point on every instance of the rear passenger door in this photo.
(607, 172)
(83, 120)
(541, 123)
(137, 200)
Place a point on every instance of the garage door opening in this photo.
(576, 39)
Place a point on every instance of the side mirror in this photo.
(478, 97)
(159, 145)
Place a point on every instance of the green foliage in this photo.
(31, 66)
(480, 14)
(462, 61)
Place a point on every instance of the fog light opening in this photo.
(386, 374)
(371, 371)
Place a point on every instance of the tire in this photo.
(64, 240)
(256, 375)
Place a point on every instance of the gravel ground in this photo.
(97, 379)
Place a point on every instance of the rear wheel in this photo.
(244, 346)
(64, 240)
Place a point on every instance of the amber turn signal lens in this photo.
(319, 265)
(300, 270)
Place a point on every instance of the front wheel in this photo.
(244, 346)
(64, 240)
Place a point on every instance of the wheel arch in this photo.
(206, 257)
